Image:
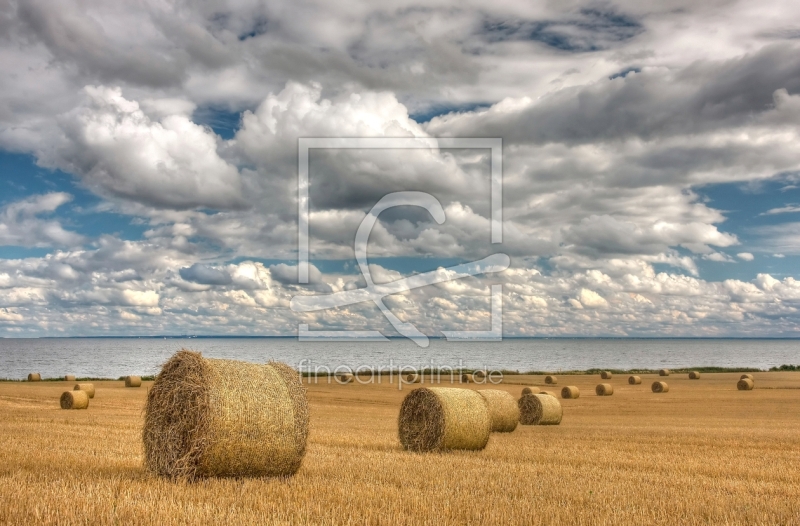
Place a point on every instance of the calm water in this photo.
(112, 358)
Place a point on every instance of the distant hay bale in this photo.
(746, 377)
(412, 378)
(694, 375)
(604, 390)
(660, 387)
(745, 384)
(634, 380)
(69, 377)
(548, 393)
(606, 375)
(208, 417)
(133, 381)
(74, 400)
(539, 410)
(663, 372)
(479, 375)
(34, 377)
(466, 378)
(570, 391)
(550, 380)
(343, 378)
(531, 390)
(442, 418)
(503, 410)
(88, 388)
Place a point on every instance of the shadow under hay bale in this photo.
(660, 387)
(88, 388)
(550, 380)
(442, 418)
(606, 375)
(503, 410)
(74, 400)
(604, 390)
(570, 391)
(745, 384)
(539, 410)
(207, 417)
(663, 372)
(34, 377)
(69, 377)
(531, 390)
(634, 380)
(694, 375)
(133, 381)
(746, 377)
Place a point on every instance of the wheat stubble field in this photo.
(703, 453)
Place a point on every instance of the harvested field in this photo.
(629, 458)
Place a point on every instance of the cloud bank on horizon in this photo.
(148, 164)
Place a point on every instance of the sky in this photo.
(650, 165)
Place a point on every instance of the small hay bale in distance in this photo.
(503, 410)
(74, 400)
(539, 410)
(343, 378)
(570, 391)
(531, 390)
(34, 377)
(69, 377)
(660, 387)
(550, 380)
(745, 384)
(466, 378)
(634, 380)
(412, 378)
(88, 388)
(479, 375)
(606, 375)
(694, 375)
(442, 418)
(746, 376)
(604, 390)
(213, 418)
(663, 372)
(133, 381)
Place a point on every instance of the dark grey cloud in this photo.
(205, 275)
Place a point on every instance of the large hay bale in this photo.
(69, 377)
(34, 377)
(74, 400)
(694, 375)
(133, 381)
(604, 390)
(746, 377)
(206, 417)
(745, 384)
(531, 390)
(343, 378)
(503, 410)
(663, 372)
(634, 380)
(550, 380)
(606, 375)
(88, 388)
(441, 418)
(466, 378)
(539, 410)
(660, 387)
(570, 391)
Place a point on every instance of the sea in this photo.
(116, 357)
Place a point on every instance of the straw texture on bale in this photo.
(746, 376)
(745, 384)
(133, 381)
(660, 387)
(88, 388)
(663, 372)
(69, 377)
(531, 390)
(606, 375)
(503, 410)
(466, 378)
(634, 380)
(570, 391)
(551, 380)
(604, 390)
(539, 410)
(548, 393)
(34, 377)
(74, 400)
(442, 418)
(207, 417)
(694, 375)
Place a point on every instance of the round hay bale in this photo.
(74, 400)
(133, 381)
(663, 372)
(531, 390)
(634, 380)
(539, 410)
(412, 378)
(745, 384)
(343, 378)
(746, 376)
(660, 387)
(604, 390)
(69, 377)
(441, 418)
(570, 391)
(466, 378)
(88, 388)
(606, 375)
(550, 380)
(503, 410)
(548, 393)
(479, 375)
(694, 375)
(34, 377)
(207, 417)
